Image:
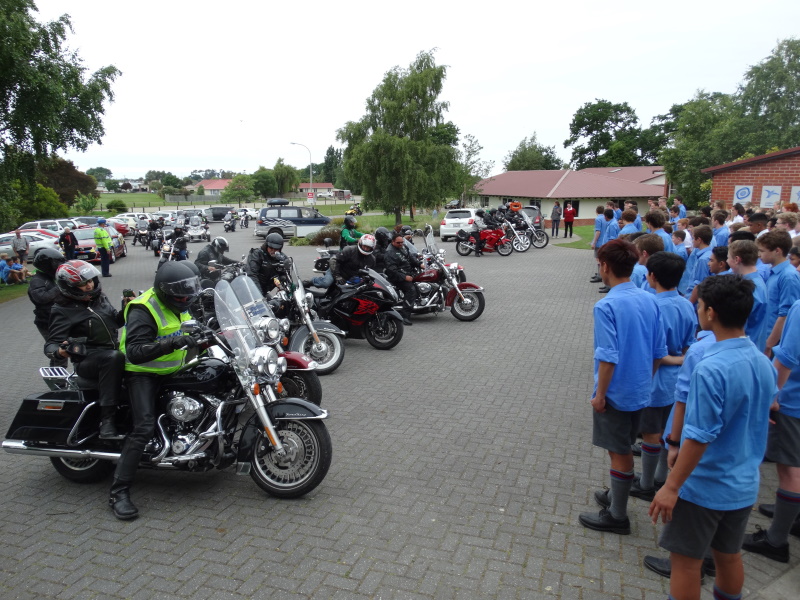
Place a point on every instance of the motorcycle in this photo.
(173, 250)
(217, 411)
(197, 231)
(322, 262)
(156, 240)
(246, 221)
(141, 235)
(520, 242)
(320, 340)
(439, 286)
(493, 240)
(533, 229)
(354, 210)
(363, 308)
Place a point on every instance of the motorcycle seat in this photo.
(86, 384)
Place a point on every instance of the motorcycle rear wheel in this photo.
(471, 310)
(521, 243)
(302, 384)
(504, 249)
(383, 332)
(332, 356)
(308, 458)
(540, 239)
(82, 470)
(463, 249)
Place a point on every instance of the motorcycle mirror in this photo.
(212, 263)
(327, 242)
(190, 326)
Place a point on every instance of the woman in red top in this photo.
(569, 217)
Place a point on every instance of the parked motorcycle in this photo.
(364, 309)
(321, 340)
(439, 285)
(354, 210)
(519, 241)
(494, 240)
(218, 411)
(322, 262)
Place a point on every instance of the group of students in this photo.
(12, 271)
(702, 400)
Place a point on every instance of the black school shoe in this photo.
(605, 522)
(636, 449)
(757, 542)
(768, 510)
(638, 492)
(595, 279)
(663, 567)
(603, 497)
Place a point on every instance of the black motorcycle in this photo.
(220, 410)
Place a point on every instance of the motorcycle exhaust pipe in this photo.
(19, 447)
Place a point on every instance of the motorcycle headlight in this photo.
(309, 298)
(268, 329)
(264, 359)
(282, 365)
(285, 325)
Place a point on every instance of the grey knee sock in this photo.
(661, 470)
(620, 487)
(650, 456)
(787, 508)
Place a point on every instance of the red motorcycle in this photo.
(494, 240)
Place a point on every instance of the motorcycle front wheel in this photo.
(82, 470)
(504, 249)
(470, 308)
(302, 384)
(540, 239)
(521, 243)
(307, 460)
(463, 249)
(331, 356)
(383, 332)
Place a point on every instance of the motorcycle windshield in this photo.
(430, 242)
(233, 323)
(250, 298)
(384, 283)
(195, 222)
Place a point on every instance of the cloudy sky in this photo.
(228, 85)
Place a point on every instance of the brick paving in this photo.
(461, 463)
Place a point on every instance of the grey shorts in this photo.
(654, 419)
(783, 442)
(615, 430)
(694, 528)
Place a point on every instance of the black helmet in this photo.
(480, 212)
(176, 285)
(220, 244)
(350, 222)
(47, 260)
(382, 236)
(273, 240)
(75, 273)
(492, 211)
(406, 230)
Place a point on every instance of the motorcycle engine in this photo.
(184, 408)
(426, 289)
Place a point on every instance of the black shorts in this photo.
(654, 419)
(694, 528)
(615, 430)
(783, 442)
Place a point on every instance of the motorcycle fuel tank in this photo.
(210, 375)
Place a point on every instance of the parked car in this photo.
(216, 213)
(302, 221)
(36, 241)
(85, 220)
(170, 216)
(87, 249)
(251, 212)
(459, 218)
(325, 195)
(453, 204)
(534, 214)
(138, 215)
(56, 225)
(277, 202)
(47, 232)
(120, 225)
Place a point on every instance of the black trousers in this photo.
(105, 260)
(409, 293)
(142, 388)
(554, 228)
(567, 227)
(107, 366)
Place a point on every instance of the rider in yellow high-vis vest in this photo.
(154, 347)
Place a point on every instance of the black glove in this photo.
(340, 280)
(183, 342)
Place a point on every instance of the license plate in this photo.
(80, 256)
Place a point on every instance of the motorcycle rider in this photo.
(261, 262)
(346, 265)
(246, 220)
(154, 226)
(230, 220)
(349, 235)
(401, 266)
(179, 241)
(43, 292)
(408, 235)
(382, 240)
(478, 225)
(153, 347)
(213, 251)
(84, 322)
(141, 225)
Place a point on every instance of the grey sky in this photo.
(231, 84)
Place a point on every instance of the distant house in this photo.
(213, 187)
(585, 189)
(304, 188)
(768, 180)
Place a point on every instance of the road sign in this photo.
(310, 195)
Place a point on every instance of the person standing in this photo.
(102, 240)
(555, 218)
(69, 242)
(569, 218)
(20, 246)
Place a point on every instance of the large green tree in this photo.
(239, 190)
(67, 181)
(285, 176)
(471, 168)
(604, 134)
(332, 163)
(264, 184)
(402, 152)
(530, 155)
(99, 173)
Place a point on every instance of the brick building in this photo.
(768, 180)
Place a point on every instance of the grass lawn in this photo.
(9, 292)
(586, 233)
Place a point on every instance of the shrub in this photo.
(115, 205)
(329, 231)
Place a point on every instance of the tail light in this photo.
(471, 221)
(536, 220)
(259, 222)
(442, 223)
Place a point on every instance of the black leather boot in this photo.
(119, 499)
(108, 430)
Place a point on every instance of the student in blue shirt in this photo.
(664, 270)
(678, 201)
(783, 447)
(783, 284)
(674, 216)
(628, 226)
(718, 261)
(627, 332)
(678, 238)
(647, 244)
(655, 220)
(611, 232)
(701, 253)
(721, 231)
(742, 255)
(599, 228)
(632, 205)
(714, 480)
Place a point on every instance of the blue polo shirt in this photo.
(789, 354)
(638, 222)
(681, 211)
(727, 408)
(756, 326)
(721, 236)
(680, 322)
(680, 250)
(617, 214)
(600, 225)
(700, 271)
(783, 290)
(639, 275)
(629, 228)
(628, 332)
(611, 232)
(668, 245)
(685, 285)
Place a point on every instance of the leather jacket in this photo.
(261, 267)
(347, 263)
(206, 255)
(97, 321)
(43, 291)
(400, 263)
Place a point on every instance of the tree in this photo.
(285, 177)
(67, 181)
(126, 186)
(112, 185)
(200, 174)
(400, 151)
(155, 176)
(201, 191)
(239, 190)
(530, 155)
(99, 173)
(333, 161)
(264, 183)
(471, 168)
(171, 180)
(85, 203)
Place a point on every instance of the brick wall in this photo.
(782, 171)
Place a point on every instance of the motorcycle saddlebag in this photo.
(462, 236)
(50, 416)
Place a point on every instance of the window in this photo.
(576, 204)
(290, 213)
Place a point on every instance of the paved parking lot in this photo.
(461, 462)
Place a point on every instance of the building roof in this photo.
(749, 161)
(636, 174)
(327, 186)
(566, 183)
(214, 184)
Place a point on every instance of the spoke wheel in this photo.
(302, 384)
(463, 249)
(331, 355)
(307, 460)
(470, 308)
(82, 470)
